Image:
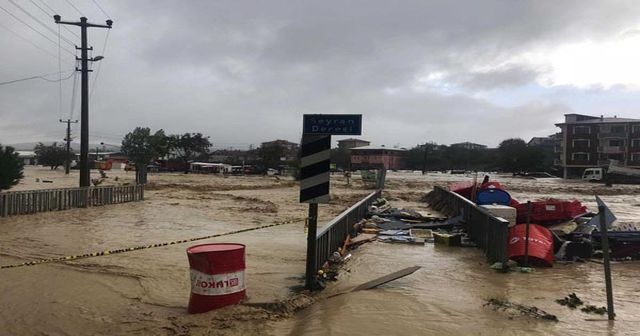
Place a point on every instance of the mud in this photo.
(146, 292)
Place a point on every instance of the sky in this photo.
(244, 72)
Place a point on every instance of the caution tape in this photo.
(143, 247)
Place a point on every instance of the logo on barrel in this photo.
(216, 284)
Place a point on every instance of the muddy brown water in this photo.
(145, 292)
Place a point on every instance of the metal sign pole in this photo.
(315, 160)
(312, 220)
(607, 266)
(526, 235)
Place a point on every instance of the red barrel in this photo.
(217, 276)
(540, 244)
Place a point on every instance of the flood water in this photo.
(146, 292)
(447, 295)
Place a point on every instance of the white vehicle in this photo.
(613, 174)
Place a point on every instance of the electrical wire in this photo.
(28, 41)
(40, 22)
(95, 78)
(74, 7)
(50, 14)
(101, 9)
(73, 96)
(43, 77)
(37, 31)
(60, 77)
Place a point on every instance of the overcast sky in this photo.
(244, 72)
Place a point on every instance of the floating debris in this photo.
(591, 309)
(517, 309)
(572, 301)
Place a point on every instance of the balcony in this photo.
(612, 135)
(611, 149)
(603, 162)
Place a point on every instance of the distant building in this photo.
(468, 145)
(590, 141)
(352, 143)
(290, 148)
(27, 157)
(371, 157)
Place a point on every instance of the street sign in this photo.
(332, 124)
(315, 159)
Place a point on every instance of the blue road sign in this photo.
(332, 124)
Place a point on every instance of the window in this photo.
(580, 156)
(581, 143)
(615, 143)
(581, 130)
(617, 129)
(635, 157)
(635, 143)
(635, 128)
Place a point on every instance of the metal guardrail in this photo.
(491, 233)
(14, 203)
(333, 234)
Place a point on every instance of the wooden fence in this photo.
(14, 203)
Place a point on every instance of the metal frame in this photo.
(333, 234)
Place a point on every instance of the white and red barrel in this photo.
(217, 276)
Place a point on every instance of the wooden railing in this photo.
(14, 203)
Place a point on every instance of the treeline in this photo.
(512, 155)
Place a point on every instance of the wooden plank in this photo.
(362, 238)
(387, 278)
(381, 281)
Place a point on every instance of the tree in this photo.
(142, 147)
(341, 157)
(53, 156)
(515, 156)
(10, 168)
(189, 146)
(271, 155)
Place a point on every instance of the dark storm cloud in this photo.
(245, 72)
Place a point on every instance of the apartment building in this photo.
(589, 141)
(372, 157)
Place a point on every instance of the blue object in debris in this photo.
(493, 196)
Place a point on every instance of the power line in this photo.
(35, 30)
(28, 41)
(49, 14)
(60, 83)
(95, 78)
(41, 23)
(74, 7)
(73, 95)
(43, 77)
(101, 9)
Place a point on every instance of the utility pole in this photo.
(84, 106)
(67, 163)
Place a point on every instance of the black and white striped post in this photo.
(315, 159)
(315, 165)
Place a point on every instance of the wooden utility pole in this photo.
(67, 139)
(84, 106)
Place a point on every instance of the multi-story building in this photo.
(469, 145)
(551, 147)
(589, 141)
(371, 157)
(352, 143)
(290, 148)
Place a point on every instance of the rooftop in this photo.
(378, 147)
